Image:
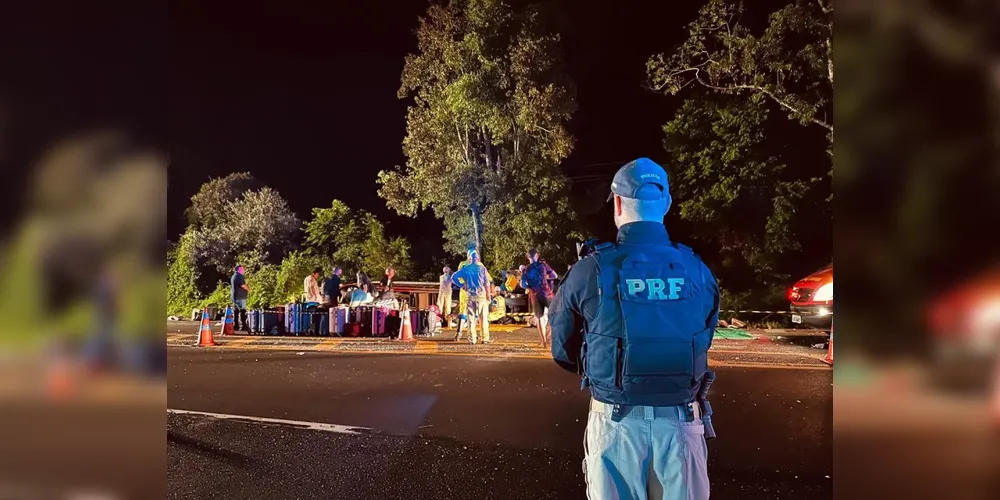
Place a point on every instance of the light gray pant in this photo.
(651, 454)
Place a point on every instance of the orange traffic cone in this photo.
(227, 324)
(205, 337)
(406, 330)
(829, 350)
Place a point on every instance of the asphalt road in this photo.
(456, 428)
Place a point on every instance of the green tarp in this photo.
(732, 334)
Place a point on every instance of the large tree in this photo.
(752, 184)
(329, 227)
(790, 62)
(487, 129)
(356, 241)
(752, 206)
(256, 228)
(208, 204)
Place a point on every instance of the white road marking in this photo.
(314, 426)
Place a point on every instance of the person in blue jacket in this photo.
(635, 319)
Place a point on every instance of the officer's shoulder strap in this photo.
(687, 250)
(684, 248)
(605, 247)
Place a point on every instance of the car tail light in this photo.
(790, 293)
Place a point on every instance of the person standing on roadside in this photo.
(331, 288)
(310, 286)
(463, 300)
(239, 291)
(636, 319)
(444, 295)
(537, 277)
(478, 284)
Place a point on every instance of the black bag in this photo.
(420, 327)
(393, 325)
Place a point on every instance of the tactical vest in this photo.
(648, 344)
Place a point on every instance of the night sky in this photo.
(303, 94)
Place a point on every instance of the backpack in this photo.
(532, 276)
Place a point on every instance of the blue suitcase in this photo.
(260, 321)
(324, 323)
(253, 323)
(337, 319)
(305, 319)
(270, 322)
(292, 319)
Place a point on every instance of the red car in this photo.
(812, 299)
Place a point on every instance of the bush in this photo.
(294, 269)
(182, 278)
(219, 298)
(263, 284)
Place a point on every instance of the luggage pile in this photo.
(363, 321)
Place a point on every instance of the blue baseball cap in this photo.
(641, 179)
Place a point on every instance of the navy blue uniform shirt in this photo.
(331, 288)
(236, 283)
(576, 302)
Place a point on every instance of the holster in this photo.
(706, 407)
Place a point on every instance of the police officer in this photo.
(635, 319)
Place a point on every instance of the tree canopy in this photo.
(749, 203)
(355, 241)
(255, 228)
(790, 62)
(752, 185)
(487, 129)
(208, 204)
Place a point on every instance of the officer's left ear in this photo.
(666, 207)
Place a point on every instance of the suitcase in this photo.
(290, 315)
(352, 329)
(296, 319)
(393, 325)
(270, 320)
(415, 322)
(305, 321)
(379, 315)
(364, 315)
(420, 327)
(337, 319)
(324, 323)
(253, 321)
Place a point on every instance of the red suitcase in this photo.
(352, 329)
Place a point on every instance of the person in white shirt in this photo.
(311, 285)
(444, 295)
(313, 298)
